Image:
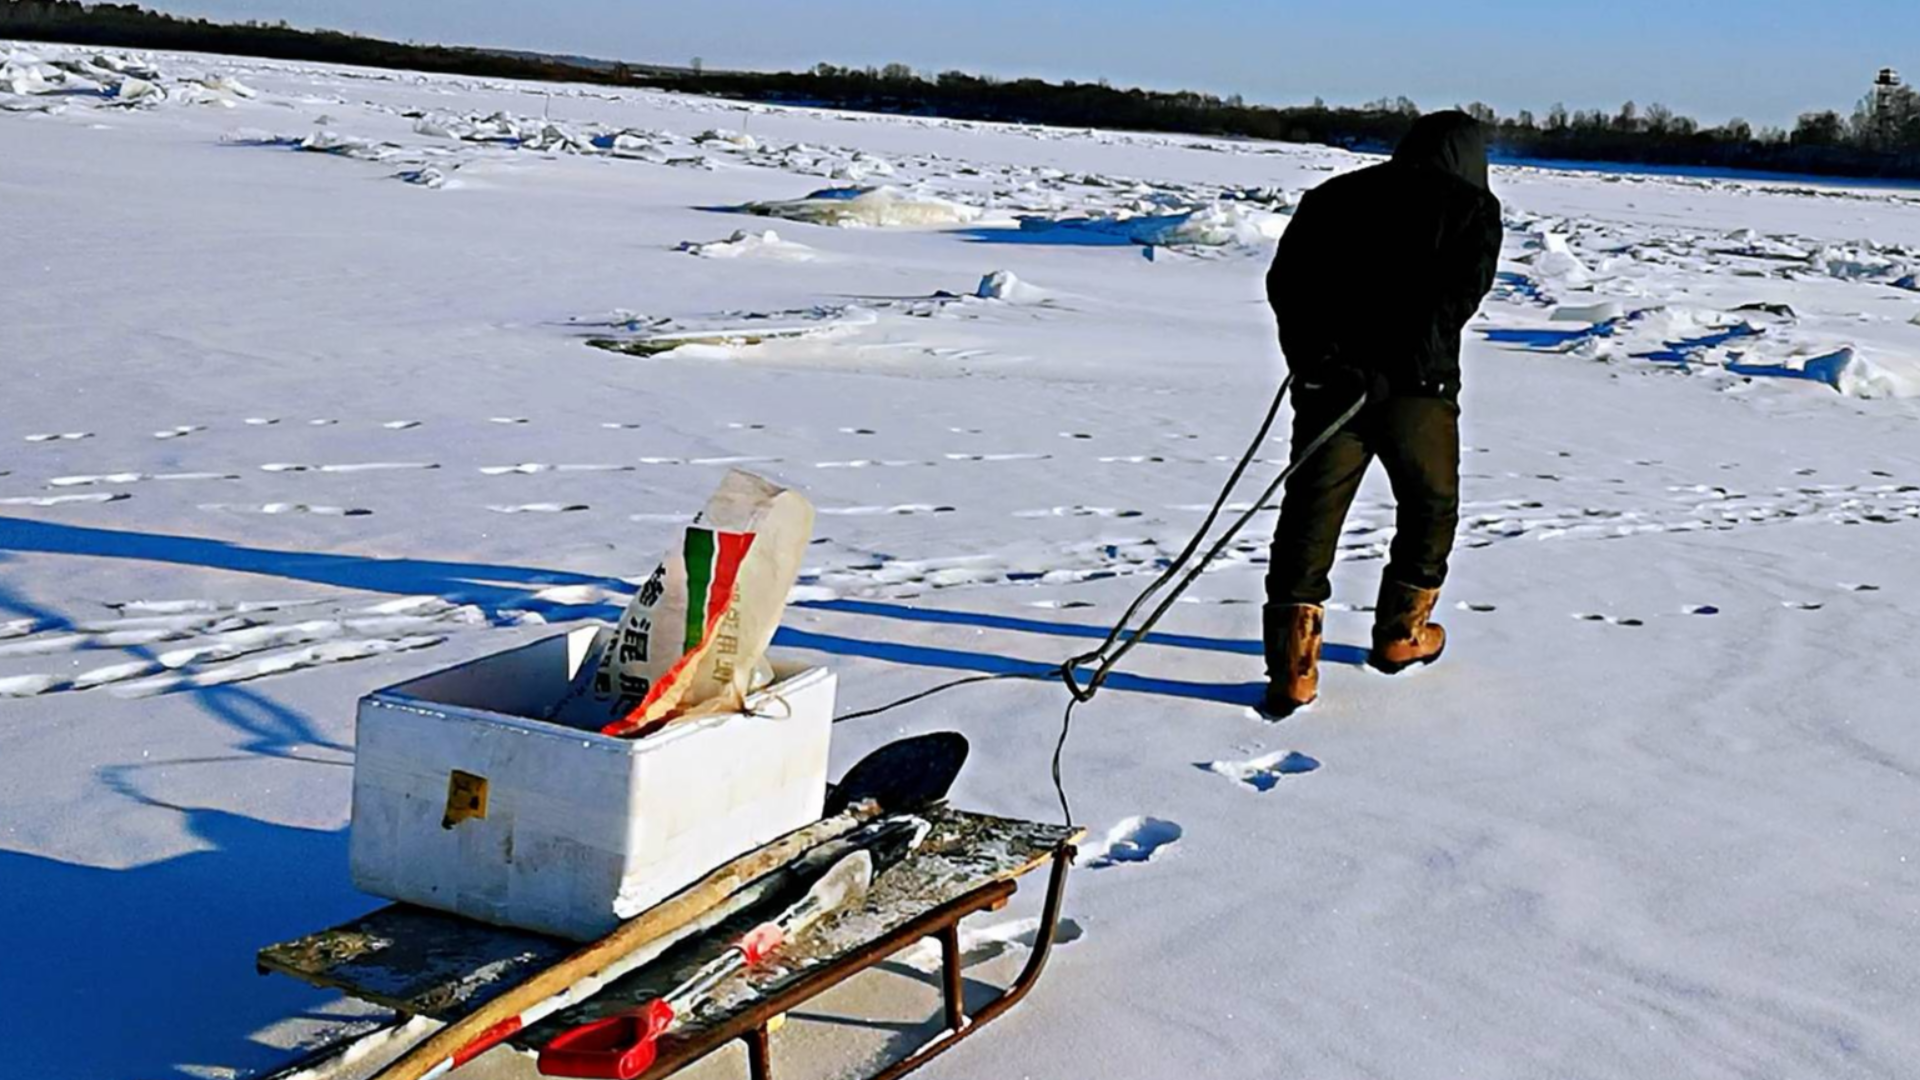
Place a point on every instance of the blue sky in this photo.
(1765, 60)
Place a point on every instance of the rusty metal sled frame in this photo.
(753, 1025)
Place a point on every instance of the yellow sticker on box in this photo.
(466, 798)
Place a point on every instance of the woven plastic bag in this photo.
(693, 640)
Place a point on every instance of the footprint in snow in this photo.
(868, 463)
(65, 500)
(876, 511)
(1700, 609)
(540, 508)
(1613, 620)
(1859, 587)
(1078, 511)
(261, 421)
(182, 676)
(18, 686)
(62, 436)
(353, 467)
(857, 431)
(400, 425)
(179, 431)
(287, 508)
(1262, 773)
(1060, 605)
(528, 468)
(1134, 840)
(133, 478)
(322, 422)
(1466, 605)
(620, 425)
(1802, 605)
(506, 419)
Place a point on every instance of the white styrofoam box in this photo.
(580, 830)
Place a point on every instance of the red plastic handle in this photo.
(760, 941)
(617, 1048)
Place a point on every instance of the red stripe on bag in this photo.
(726, 575)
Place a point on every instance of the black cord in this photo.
(1104, 661)
(1199, 534)
(1050, 673)
(1059, 750)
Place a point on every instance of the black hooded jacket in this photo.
(1380, 268)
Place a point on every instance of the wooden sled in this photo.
(437, 966)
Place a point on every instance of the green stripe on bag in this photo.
(699, 554)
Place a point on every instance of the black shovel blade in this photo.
(903, 775)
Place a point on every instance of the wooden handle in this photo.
(446, 1045)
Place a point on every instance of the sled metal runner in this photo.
(442, 967)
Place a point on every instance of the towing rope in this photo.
(1123, 637)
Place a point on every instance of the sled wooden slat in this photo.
(416, 961)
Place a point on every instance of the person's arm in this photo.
(1468, 263)
(1293, 287)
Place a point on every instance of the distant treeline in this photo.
(1880, 138)
(130, 26)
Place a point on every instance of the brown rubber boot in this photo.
(1292, 633)
(1402, 636)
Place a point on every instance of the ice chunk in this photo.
(1211, 226)
(1604, 311)
(869, 207)
(134, 91)
(228, 85)
(1855, 376)
(1555, 260)
(1214, 225)
(998, 285)
(724, 139)
(24, 74)
(748, 245)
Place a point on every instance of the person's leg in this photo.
(1312, 513)
(1314, 509)
(1419, 443)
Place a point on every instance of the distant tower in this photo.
(1885, 86)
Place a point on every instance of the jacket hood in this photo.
(1450, 141)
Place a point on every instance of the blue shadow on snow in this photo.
(145, 970)
(1684, 350)
(1056, 237)
(497, 588)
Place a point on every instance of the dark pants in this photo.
(1418, 440)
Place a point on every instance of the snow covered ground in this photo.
(301, 402)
